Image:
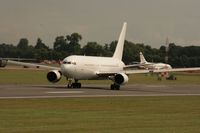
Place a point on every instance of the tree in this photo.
(73, 46)
(23, 44)
(69, 45)
(130, 53)
(93, 49)
(106, 50)
(60, 44)
(179, 56)
(113, 45)
(40, 44)
(74, 39)
(8, 50)
(184, 61)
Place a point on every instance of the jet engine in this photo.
(121, 78)
(54, 76)
(3, 63)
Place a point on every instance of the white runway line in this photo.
(64, 92)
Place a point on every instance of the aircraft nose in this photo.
(66, 69)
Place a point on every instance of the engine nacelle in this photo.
(121, 79)
(3, 63)
(54, 76)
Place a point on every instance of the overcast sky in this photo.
(149, 21)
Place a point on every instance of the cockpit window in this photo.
(69, 62)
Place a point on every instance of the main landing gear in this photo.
(74, 85)
(114, 87)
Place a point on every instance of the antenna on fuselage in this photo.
(120, 45)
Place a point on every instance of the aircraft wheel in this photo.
(112, 87)
(115, 87)
(69, 86)
(76, 85)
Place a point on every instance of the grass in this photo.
(27, 76)
(182, 79)
(101, 115)
(22, 76)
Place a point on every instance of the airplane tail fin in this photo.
(142, 59)
(120, 45)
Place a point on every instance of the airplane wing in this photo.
(163, 70)
(132, 66)
(33, 65)
(178, 70)
(137, 65)
(137, 71)
(143, 71)
(106, 74)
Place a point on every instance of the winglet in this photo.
(120, 45)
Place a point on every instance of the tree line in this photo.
(178, 56)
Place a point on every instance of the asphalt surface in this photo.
(92, 90)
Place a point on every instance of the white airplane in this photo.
(76, 68)
(152, 66)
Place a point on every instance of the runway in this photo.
(92, 90)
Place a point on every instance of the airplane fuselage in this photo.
(158, 66)
(87, 67)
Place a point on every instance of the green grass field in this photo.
(101, 115)
(27, 76)
(175, 114)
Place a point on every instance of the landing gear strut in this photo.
(74, 85)
(114, 87)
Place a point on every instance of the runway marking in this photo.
(155, 86)
(64, 92)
